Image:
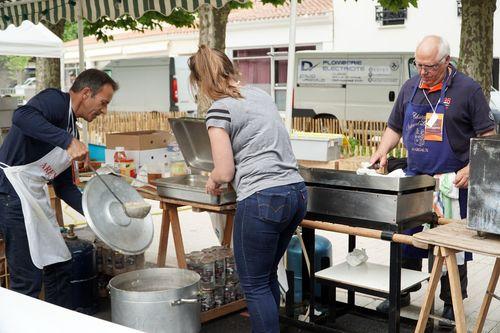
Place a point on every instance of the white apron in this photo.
(46, 243)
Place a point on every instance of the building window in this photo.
(388, 17)
(459, 8)
(254, 66)
(266, 69)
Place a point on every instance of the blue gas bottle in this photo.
(323, 249)
(83, 282)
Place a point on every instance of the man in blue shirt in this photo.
(40, 147)
(436, 114)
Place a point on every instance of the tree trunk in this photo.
(48, 69)
(213, 24)
(476, 41)
(212, 29)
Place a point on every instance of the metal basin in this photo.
(192, 188)
(192, 136)
(157, 300)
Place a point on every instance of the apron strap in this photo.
(3, 165)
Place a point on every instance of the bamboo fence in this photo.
(362, 136)
(114, 122)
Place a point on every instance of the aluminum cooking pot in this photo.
(156, 300)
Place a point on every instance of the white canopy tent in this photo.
(33, 40)
(30, 39)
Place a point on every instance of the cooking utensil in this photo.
(134, 209)
(108, 220)
(335, 194)
(157, 300)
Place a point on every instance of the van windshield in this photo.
(412, 68)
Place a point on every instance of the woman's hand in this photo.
(212, 187)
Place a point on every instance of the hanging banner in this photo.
(349, 71)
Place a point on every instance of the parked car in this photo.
(26, 90)
(495, 106)
(21, 88)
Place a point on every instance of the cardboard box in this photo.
(140, 157)
(142, 140)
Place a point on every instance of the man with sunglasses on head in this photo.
(436, 114)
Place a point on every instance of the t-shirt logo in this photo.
(447, 101)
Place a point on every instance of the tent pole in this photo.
(81, 58)
(291, 65)
(81, 54)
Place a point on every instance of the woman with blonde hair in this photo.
(251, 149)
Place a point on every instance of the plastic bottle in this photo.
(120, 155)
(124, 164)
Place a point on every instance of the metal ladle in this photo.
(133, 209)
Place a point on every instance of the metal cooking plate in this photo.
(108, 220)
(192, 137)
(349, 179)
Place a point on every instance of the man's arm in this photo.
(67, 190)
(32, 123)
(389, 140)
(462, 177)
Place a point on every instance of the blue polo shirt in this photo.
(37, 128)
(467, 113)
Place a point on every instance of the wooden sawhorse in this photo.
(170, 219)
(447, 241)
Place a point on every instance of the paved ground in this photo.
(198, 234)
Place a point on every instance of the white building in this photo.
(255, 37)
(363, 26)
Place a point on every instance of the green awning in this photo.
(16, 11)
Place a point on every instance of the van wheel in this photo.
(325, 116)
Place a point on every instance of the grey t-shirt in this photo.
(262, 150)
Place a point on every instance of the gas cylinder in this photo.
(322, 251)
(83, 282)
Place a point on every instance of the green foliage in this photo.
(149, 21)
(353, 142)
(70, 31)
(14, 64)
(395, 5)
(237, 5)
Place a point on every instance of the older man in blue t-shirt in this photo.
(40, 148)
(436, 113)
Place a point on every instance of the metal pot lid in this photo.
(191, 135)
(108, 220)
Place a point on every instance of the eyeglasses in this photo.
(429, 68)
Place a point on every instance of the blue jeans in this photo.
(25, 277)
(263, 226)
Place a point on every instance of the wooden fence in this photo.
(363, 136)
(127, 122)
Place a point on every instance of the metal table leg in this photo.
(309, 243)
(351, 296)
(395, 288)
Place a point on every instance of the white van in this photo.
(350, 86)
(151, 84)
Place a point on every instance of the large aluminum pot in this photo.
(157, 300)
